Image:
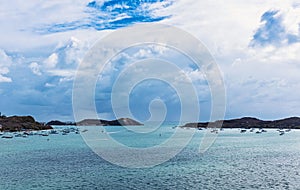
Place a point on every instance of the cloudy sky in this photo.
(256, 45)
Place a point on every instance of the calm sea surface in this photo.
(235, 161)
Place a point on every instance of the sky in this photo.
(256, 45)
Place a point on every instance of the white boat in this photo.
(7, 136)
(243, 131)
(281, 133)
(214, 131)
(18, 135)
(53, 132)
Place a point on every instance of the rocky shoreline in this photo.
(21, 123)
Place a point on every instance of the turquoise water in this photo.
(235, 161)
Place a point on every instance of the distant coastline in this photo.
(98, 122)
(250, 122)
(23, 123)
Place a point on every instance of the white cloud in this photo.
(4, 58)
(4, 79)
(256, 79)
(35, 68)
(291, 19)
(5, 63)
(49, 85)
(273, 55)
(51, 61)
(73, 51)
(63, 73)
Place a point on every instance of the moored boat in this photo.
(281, 133)
(18, 135)
(53, 132)
(243, 131)
(7, 136)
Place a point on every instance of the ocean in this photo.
(235, 161)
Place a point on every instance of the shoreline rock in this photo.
(21, 123)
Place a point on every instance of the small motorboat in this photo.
(243, 131)
(18, 135)
(281, 133)
(28, 133)
(53, 132)
(7, 136)
(85, 130)
(214, 131)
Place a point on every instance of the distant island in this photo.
(21, 123)
(24, 123)
(99, 122)
(250, 122)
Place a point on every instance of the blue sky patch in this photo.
(272, 31)
(113, 14)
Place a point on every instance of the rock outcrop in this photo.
(19, 123)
